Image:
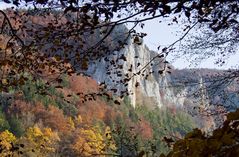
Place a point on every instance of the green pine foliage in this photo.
(4, 125)
(37, 91)
(16, 126)
(166, 124)
(135, 131)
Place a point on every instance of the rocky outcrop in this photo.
(185, 89)
(145, 87)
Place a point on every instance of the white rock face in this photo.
(152, 87)
(149, 88)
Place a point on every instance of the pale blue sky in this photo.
(164, 35)
(4, 5)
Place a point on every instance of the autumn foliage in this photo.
(222, 143)
(62, 124)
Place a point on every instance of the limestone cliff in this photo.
(185, 89)
(149, 87)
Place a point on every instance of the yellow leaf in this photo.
(4, 81)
